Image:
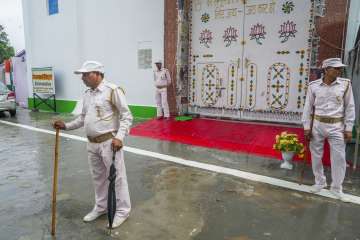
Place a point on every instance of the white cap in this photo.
(332, 62)
(90, 66)
(158, 61)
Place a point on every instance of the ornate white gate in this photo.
(250, 58)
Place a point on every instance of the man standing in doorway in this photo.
(162, 81)
(107, 120)
(331, 101)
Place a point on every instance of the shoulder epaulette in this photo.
(344, 79)
(315, 81)
(113, 87)
(110, 85)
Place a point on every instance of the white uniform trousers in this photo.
(100, 159)
(162, 102)
(335, 135)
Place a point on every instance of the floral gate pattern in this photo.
(244, 58)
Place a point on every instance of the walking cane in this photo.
(53, 218)
(304, 161)
(307, 147)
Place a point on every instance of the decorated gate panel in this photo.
(211, 75)
(249, 58)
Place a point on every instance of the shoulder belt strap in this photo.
(112, 97)
(347, 88)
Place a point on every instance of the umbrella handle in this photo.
(55, 178)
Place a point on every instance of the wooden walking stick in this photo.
(304, 161)
(55, 174)
(307, 147)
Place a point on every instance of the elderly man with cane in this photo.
(107, 120)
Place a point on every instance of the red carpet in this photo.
(251, 138)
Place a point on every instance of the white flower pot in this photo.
(287, 157)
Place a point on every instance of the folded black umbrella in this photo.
(111, 204)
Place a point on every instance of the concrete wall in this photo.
(352, 29)
(353, 25)
(20, 80)
(108, 31)
(2, 73)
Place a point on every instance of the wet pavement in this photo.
(169, 201)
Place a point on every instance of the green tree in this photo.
(6, 51)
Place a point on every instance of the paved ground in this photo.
(170, 201)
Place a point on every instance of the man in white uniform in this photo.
(107, 120)
(332, 99)
(162, 81)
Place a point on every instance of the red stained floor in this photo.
(251, 138)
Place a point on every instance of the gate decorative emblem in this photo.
(278, 83)
(210, 84)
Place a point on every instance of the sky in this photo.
(12, 20)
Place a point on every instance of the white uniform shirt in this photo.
(162, 77)
(98, 115)
(330, 101)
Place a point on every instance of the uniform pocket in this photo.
(335, 100)
(104, 107)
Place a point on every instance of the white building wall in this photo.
(20, 80)
(353, 25)
(108, 31)
(352, 29)
(53, 41)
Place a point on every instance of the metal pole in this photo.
(356, 153)
(54, 103)
(34, 107)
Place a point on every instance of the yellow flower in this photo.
(289, 142)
